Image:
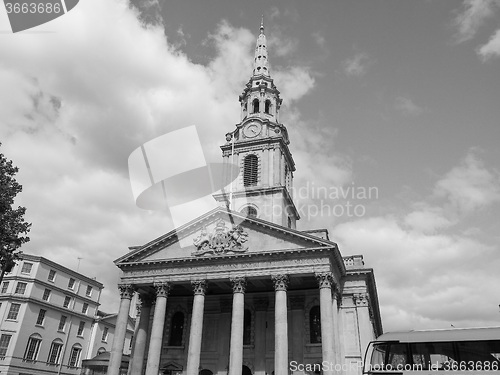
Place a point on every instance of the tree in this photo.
(13, 228)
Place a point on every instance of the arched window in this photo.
(101, 350)
(176, 329)
(250, 169)
(255, 106)
(247, 327)
(246, 370)
(268, 106)
(249, 211)
(74, 355)
(205, 372)
(315, 325)
(31, 352)
(55, 352)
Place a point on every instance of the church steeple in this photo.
(259, 146)
(261, 61)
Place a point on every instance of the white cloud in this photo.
(357, 65)
(427, 219)
(294, 82)
(427, 274)
(407, 106)
(470, 185)
(473, 15)
(491, 49)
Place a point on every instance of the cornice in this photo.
(35, 258)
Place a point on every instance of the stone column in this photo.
(237, 320)
(281, 326)
(364, 321)
(325, 281)
(141, 335)
(115, 359)
(261, 305)
(155, 342)
(196, 332)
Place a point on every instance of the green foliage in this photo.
(13, 228)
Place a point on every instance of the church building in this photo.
(250, 294)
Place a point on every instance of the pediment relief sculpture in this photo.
(221, 240)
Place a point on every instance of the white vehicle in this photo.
(470, 351)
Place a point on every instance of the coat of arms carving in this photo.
(221, 240)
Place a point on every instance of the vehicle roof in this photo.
(454, 334)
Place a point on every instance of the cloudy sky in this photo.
(392, 108)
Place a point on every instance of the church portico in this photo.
(239, 290)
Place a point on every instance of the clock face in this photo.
(252, 130)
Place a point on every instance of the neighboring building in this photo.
(252, 294)
(101, 339)
(103, 333)
(46, 318)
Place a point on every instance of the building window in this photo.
(62, 323)
(55, 352)
(46, 294)
(250, 170)
(27, 268)
(74, 356)
(4, 344)
(315, 325)
(33, 347)
(71, 283)
(101, 350)
(177, 329)
(289, 222)
(255, 106)
(247, 327)
(14, 311)
(67, 301)
(105, 334)
(21, 288)
(52, 275)
(41, 317)
(85, 308)
(81, 327)
(249, 211)
(88, 292)
(5, 285)
(268, 106)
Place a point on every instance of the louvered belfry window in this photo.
(250, 170)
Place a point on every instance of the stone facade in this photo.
(251, 295)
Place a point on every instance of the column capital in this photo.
(280, 282)
(126, 291)
(239, 284)
(199, 286)
(361, 299)
(162, 289)
(325, 279)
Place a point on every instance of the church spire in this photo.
(261, 61)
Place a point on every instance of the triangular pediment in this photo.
(220, 233)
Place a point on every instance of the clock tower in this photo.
(259, 147)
